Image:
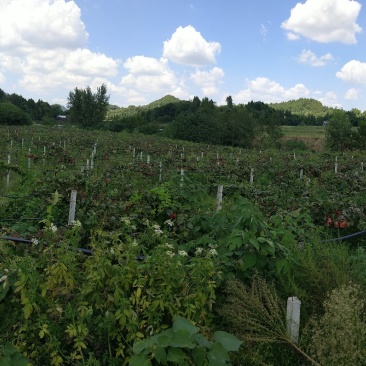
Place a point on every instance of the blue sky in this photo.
(261, 50)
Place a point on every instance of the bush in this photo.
(12, 115)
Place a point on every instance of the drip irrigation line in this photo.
(32, 219)
(344, 237)
(82, 250)
(29, 242)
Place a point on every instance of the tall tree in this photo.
(338, 131)
(87, 108)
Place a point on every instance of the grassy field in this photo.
(304, 131)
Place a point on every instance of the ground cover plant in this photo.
(159, 249)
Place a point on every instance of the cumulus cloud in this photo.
(188, 47)
(40, 24)
(308, 57)
(42, 43)
(352, 94)
(2, 78)
(353, 72)
(324, 21)
(208, 80)
(330, 99)
(269, 91)
(149, 75)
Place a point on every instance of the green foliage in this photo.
(338, 132)
(87, 108)
(12, 115)
(183, 345)
(11, 357)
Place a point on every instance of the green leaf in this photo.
(140, 346)
(181, 323)
(181, 339)
(249, 260)
(176, 355)
(139, 360)
(199, 356)
(160, 356)
(217, 356)
(202, 341)
(227, 340)
(6, 361)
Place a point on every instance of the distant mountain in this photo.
(304, 107)
(131, 110)
(162, 101)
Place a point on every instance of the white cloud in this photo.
(41, 45)
(330, 99)
(207, 80)
(324, 21)
(310, 58)
(40, 24)
(352, 94)
(269, 91)
(85, 62)
(149, 74)
(353, 72)
(2, 78)
(188, 47)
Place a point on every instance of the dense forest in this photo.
(16, 110)
(196, 120)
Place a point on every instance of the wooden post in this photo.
(251, 176)
(219, 197)
(148, 159)
(293, 318)
(335, 167)
(301, 173)
(72, 207)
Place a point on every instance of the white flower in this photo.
(34, 241)
(169, 222)
(183, 253)
(134, 243)
(3, 278)
(169, 246)
(76, 223)
(170, 253)
(126, 220)
(213, 246)
(53, 227)
(111, 251)
(212, 252)
(198, 251)
(158, 232)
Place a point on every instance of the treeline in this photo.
(16, 110)
(203, 121)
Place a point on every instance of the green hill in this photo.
(304, 107)
(131, 110)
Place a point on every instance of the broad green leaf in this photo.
(227, 340)
(176, 355)
(6, 361)
(160, 356)
(217, 356)
(181, 323)
(202, 341)
(199, 355)
(140, 346)
(139, 360)
(249, 260)
(181, 339)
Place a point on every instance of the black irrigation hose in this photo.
(27, 241)
(31, 219)
(82, 250)
(344, 237)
